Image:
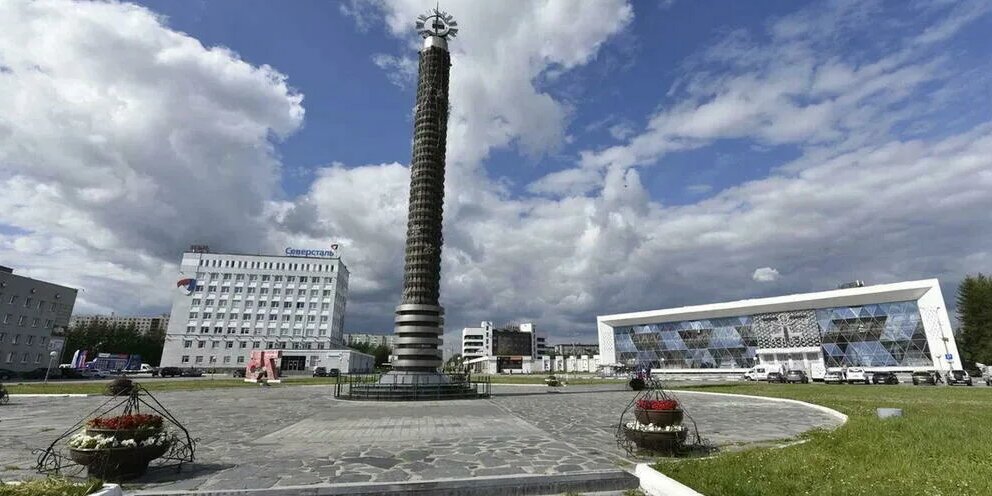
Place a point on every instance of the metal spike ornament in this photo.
(419, 317)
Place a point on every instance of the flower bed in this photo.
(663, 439)
(120, 448)
(658, 411)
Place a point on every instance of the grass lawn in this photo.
(941, 446)
(156, 384)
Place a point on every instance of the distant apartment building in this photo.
(228, 304)
(512, 348)
(574, 349)
(370, 339)
(142, 323)
(30, 312)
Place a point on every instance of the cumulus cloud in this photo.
(765, 274)
(122, 140)
(110, 167)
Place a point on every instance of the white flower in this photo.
(637, 426)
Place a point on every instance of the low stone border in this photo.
(655, 483)
(500, 485)
(48, 395)
(829, 411)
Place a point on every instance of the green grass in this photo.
(50, 487)
(155, 385)
(941, 446)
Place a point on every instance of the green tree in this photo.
(974, 305)
(102, 338)
(380, 352)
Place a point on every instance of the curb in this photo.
(829, 411)
(48, 395)
(499, 485)
(656, 483)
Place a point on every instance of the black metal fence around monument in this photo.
(369, 388)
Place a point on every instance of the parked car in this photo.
(924, 377)
(797, 376)
(856, 374)
(884, 378)
(758, 373)
(320, 371)
(238, 373)
(192, 372)
(988, 376)
(7, 374)
(833, 378)
(959, 377)
(170, 372)
(776, 377)
(93, 373)
(334, 373)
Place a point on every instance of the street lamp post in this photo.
(51, 358)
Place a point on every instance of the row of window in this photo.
(16, 339)
(202, 276)
(213, 359)
(11, 356)
(260, 316)
(251, 290)
(205, 304)
(249, 264)
(269, 345)
(23, 321)
(297, 331)
(29, 302)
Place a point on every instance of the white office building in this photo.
(141, 323)
(511, 349)
(387, 340)
(896, 327)
(227, 305)
(30, 311)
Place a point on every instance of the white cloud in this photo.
(123, 141)
(108, 201)
(765, 274)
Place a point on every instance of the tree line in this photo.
(974, 306)
(99, 337)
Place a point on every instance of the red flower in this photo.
(645, 404)
(126, 422)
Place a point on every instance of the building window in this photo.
(244, 330)
(212, 289)
(290, 278)
(214, 344)
(17, 337)
(21, 320)
(13, 299)
(185, 359)
(213, 358)
(227, 277)
(327, 292)
(227, 359)
(230, 344)
(244, 344)
(231, 330)
(49, 324)
(196, 315)
(256, 344)
(2, 335)
(187, 344)
(6, 318)
(225, 289)
(277, 278)
(218, 330)
(320, 346)
(200, 344)
(27, 301)
(241, 359)
(323, 318)
(35, 322)
(265, 277)
(204, 330)
(30, 340)
(10, 356)
(24, 357)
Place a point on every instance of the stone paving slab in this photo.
(290, 436)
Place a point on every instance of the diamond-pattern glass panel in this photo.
(874, 335)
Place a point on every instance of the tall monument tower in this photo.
(420, 317)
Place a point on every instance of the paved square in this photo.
(279, 436)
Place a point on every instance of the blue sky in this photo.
(603, 156)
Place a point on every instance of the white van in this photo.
(759, 373)
(856, 374)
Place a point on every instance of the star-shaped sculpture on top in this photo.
(437, 23)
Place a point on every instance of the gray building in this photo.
(227, 305)
(142, 323)
(371, 339)
(30, 312)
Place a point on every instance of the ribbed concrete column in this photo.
(419, 317)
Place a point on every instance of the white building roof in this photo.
(879, 293)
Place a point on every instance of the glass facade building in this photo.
(869, 335)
